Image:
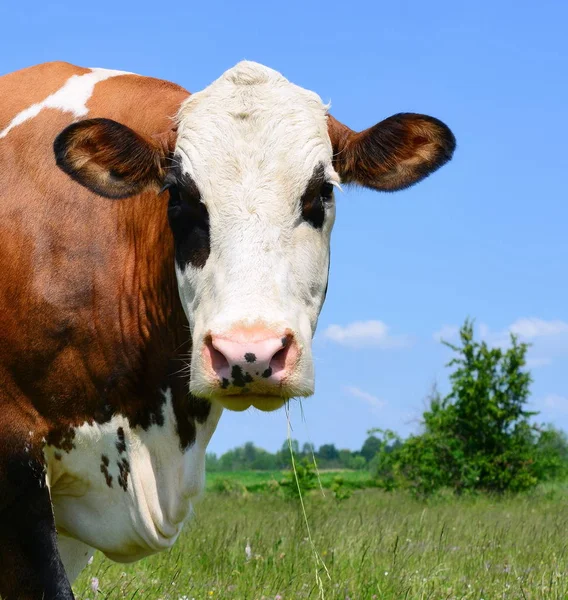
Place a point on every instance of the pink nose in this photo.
(245, 356)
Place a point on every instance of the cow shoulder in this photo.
(24, 88)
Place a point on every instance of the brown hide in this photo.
(90, 319)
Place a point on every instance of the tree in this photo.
(285, 448)
(264, 461)
(211, 462)
(250, 452)
(383, 465)
(328, 452)
(228, 461)
(479, 435)
(282, 458)
(552, 454)
(370, 447)
(345, 459)
(308, 450)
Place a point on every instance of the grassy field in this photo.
(375, 545)
(260, 481)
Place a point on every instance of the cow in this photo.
(164, 256)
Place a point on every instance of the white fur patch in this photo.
(146, 517)
(72, 97)
(251, 142)
(74, 554)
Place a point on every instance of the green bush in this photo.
(479, 437)
(384, 466)
(230, 487)
(304, 480)
(339, 489)
(551, 457)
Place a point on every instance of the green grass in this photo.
(374, 544)
(259, 481)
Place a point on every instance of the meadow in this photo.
(375, 545)
(263, 481)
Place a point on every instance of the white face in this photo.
(254, 179)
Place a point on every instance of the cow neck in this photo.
(132, 369)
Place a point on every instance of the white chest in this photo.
(127, 491)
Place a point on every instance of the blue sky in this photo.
(485, 237)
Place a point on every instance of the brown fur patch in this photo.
(92, 325)
(90, 303)
(62, 438)
(26, 87)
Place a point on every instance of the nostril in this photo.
(219, 362)
(278, 361)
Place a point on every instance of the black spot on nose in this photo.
(266, 374)
(240, 379)
(225, 383)
(250, 357)
(238, 376)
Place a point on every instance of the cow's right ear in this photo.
(111, 159)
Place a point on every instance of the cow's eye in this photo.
(189, 221)
(314, 201)
(326, 192)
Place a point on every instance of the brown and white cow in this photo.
(162, 256)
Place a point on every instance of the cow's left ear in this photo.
(111, 159)
(392, 155)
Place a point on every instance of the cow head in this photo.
(251, 176)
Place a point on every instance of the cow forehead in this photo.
(252, 126)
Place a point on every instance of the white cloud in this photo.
(366, 333)
(531, 328)
(372, 401)
(446, 333)
(555, 402)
